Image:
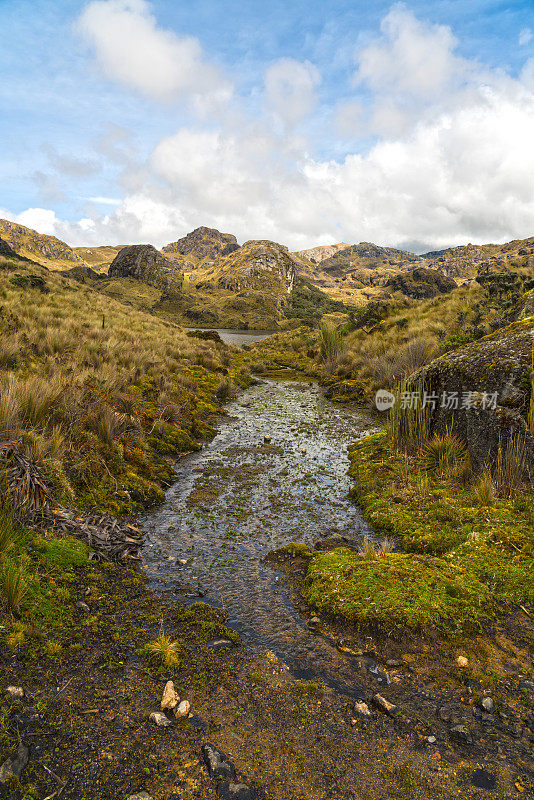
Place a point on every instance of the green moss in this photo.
(394, 589)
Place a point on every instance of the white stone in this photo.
(183, 709)
(15, 692)
(462, 661)
(160, 719)
(488, 705)
(362, 709)
(170, 697)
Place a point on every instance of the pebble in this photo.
(431, 739)
(462, 661)
(13, 766)
(183, 709)
(218, 764)
(83, 606)
(160, 719)
(183, 561)
(140, 796)
(170, 697)
(488, 705)
(526, 684)
(235, 791)
(220, 644)
(392, 662)
(362, 709)
(384, 705)
(314, 621)
(15, 692)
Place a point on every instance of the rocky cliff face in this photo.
(259, 266)
(421, 283)
(202, 244)
(144, 262)
(46, 250)
(7, 252)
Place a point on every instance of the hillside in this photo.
(201, 247)
(98, 258)
(46, 250)
(315, 255)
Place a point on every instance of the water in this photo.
(238, 337)
(239, 498)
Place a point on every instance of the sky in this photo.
(409, 124)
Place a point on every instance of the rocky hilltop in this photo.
(201, 245)
(144, 262)
(259, 266)
(468, 261)
(318, 254)
(421, 283)
(46, 250)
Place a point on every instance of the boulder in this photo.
(488, 380)
(144, 262)
(13, 766)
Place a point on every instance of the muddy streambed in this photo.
(242, 496)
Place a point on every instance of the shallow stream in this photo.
(244, 495)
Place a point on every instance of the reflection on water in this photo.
(237, 336)
(242, 496)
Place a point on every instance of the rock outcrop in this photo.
(421, 283)
(259, 265)
(320, 253)
(82, 274)
(144, 262)
(8, 252)
(202, 244)
(488, 388)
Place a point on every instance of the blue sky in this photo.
(290, 112)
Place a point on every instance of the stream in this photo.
(244, 495)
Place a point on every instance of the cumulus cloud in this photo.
(290, 89)
(130, 48)
(451, 160)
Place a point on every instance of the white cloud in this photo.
(454, 161)
(130, 48)
(290, 89)
(525, 36)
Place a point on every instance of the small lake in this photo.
(236, 336)
(275, 473)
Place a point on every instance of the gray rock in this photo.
(384, 705)
(526, 684)
(461, 733)
(235, 791)
(160, 719)
(140, 796)
(13, 766)
(183, 709)
(362, 709)
(488, 705)
(220, 644)
(83, 607)
(218, 764)
(142, 261)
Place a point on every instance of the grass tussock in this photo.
(102, 410)
(163, 650)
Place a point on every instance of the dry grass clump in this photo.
(372, 550)
(444, 453)
(164, 651)
(331, 345)
(484, 489)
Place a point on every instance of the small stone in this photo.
(218, 764)
(15, 692)
(392, 662)
(526, 684)
(384, 705)
(462, 661)
(220, 644)
(183, 561)
(13, 766)
(431, 739)
(83, 607)
(170, 697)
(266, 439)
(488, 705)
(461, 733)
(160, 719)
(140, 796)
(87, 592)
(183, 709)
(362, 709)
(235, 791)
(314, 621)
